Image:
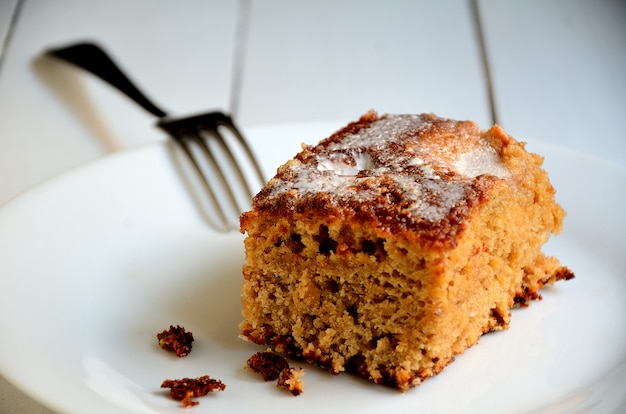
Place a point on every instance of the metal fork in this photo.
(193, 134)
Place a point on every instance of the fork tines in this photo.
(222, 159)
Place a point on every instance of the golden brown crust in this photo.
(430, 140)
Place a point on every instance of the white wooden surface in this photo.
(7, 9)
(558, 72)
(336, 60)
(54, 117)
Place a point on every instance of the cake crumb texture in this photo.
(176, 339)
(394, 244)
(268, 364)
(186, 389)
(291, 379)
(273, 366)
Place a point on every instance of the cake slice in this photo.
(394, 244)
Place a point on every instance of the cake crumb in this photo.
(273, 367)
(269, 364)
(291, 379)
(186, 389)
(177, 340)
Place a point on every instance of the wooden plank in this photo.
(179, 54)
(559, 71)
(335, 60)
(7, 10)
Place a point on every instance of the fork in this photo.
(193, 134)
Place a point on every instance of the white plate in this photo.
(97, 261)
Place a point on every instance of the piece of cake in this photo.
(176, 339)
(186, 389)
(268, 364)
(394, 244)
(276, 367)
(291, 379)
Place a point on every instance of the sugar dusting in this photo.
(387, 157)
(382, 131)
(338, 164)
(482, 160)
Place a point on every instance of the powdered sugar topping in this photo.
(482, 160)
(390, 158)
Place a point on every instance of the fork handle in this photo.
(95, 60)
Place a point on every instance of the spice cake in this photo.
(395, 243)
